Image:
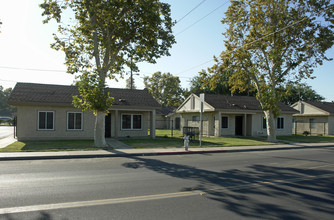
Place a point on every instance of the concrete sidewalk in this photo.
(152, 152)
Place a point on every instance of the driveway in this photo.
(6, 135)
(6, 131)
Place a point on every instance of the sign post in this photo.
(201, 118)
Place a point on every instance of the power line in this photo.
(248, 44)
(190, 11)
(202, 18)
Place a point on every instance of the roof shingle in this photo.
(326, 106)
(239, 103)
(45, 94)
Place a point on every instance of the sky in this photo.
(26, 56)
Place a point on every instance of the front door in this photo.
(107, 133)
(238, 125)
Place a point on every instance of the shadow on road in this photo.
(263, 192)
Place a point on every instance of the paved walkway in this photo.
(126, 152)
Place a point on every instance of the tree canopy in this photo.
(102, 37)
(295, 92)
(165, 88)
(268, 43)
(5, 109)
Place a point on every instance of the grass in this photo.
(307, 139)
(34, 146)
(163, 140)
(177, 142)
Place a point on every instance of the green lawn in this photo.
(307, 139)
(177, 142)
(31, 146)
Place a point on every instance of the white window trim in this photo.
(228, 120)
(283, 123)
(74, 129)
(53, 121)
(132, 129)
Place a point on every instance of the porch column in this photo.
(152, 127)
(245, 125)
(220, 124)
(117, 123)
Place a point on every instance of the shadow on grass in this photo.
(261, 191)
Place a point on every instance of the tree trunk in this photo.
(99, 131)
(271, 130)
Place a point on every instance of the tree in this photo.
(5, 109)
(299, 91)
(129, 82)
(269, 42)
(210, 83)
(101, 38)
(165, 88)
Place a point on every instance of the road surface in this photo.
(286, 184)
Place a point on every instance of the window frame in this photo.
(281, 123)
(227, 124)
(46, 121)
(196, 117)
(67, 121)
(132, 122)
(264, 123)
(312, 123)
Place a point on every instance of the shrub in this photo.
(306, 133)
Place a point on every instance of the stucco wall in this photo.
(27, 124)
(302, 123)
(331, 125)
(131, 133)
(257, 129)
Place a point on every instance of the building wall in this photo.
(258, 130)
(320, 124)
(129, 133)
(252, 124)
(27, 124)
(331, 125)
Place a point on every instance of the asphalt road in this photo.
(6, 131)
(286, 184)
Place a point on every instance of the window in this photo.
(312, 123)
(224, 122)
(45, 120)
(74, 120)
(195, 118)
(131, 122)
(264, 123)
(280, 123)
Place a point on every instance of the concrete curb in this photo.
(107, 155)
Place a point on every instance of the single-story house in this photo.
(232, 116)
(314, 117)
(45, 112)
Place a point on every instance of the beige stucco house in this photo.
(232, 116)
(45, 112)
(314, 117)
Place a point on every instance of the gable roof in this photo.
(325, 106)
(61, 95)
(239, 103)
